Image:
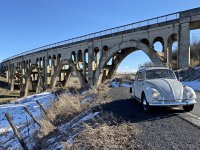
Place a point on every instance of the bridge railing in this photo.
(110, 32)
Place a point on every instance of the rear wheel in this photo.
(188, 108)
(145, 104)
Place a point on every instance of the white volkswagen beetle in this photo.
(158, 86)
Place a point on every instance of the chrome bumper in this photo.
(172, 102)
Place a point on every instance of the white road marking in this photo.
(195, 120)
(193, 116)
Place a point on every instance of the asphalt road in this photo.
(161, 129)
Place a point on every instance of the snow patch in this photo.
(21, 119)
(114, 84)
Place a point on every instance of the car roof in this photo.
(143, 69)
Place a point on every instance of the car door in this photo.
(138, 85)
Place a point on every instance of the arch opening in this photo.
(158, 46)
(80, 60)
(145, 41)
(73, 56)
(104, 49)
(124, 61)
(96, 56)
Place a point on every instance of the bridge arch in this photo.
(145, 41)
(104, 50)
(118, 52)
(73, 56)
(160, 42)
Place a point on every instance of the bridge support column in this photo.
(45, 73)
(21, 80)
(184, 45)
(39, 81)
(11, 78)
(54, 77)
(7, 76)
(84, 64)
(81, 77)
(90, 67)
(26, 86)
(168, 52)
(27, 80)
(67, 76)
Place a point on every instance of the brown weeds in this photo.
(106, 137)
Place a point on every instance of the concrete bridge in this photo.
(95, 57)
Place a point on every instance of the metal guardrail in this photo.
(110, 31)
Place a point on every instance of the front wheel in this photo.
(145, 104)
(188, 108)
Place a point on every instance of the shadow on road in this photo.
(130, 110)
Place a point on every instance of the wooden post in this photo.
(42, 108)
(16, 132)
(26, 109)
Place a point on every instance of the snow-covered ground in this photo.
(116, 84)
(193, 84)
(27, 127)
(21, 119)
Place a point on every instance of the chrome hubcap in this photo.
(144, 104)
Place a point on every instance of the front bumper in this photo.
(172, 102)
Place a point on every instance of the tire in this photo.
(188, 108)
(145, 105)
(131, 91)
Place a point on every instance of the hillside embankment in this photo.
(190, 74)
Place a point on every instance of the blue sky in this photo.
(27, 24)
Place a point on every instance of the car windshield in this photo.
(160, 73)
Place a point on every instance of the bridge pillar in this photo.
(84, 64)
(90, 67)
(11, 78)
(57, 69)
(184, 45)
(7, 75)
(28, 72)
(67, 76)
(39, 80)
(167, 51)
(81, 77)
(45, 72)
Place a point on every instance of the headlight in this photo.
(155, 94)
(189, 94)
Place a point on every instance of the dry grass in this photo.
(61, 111)
(67, 107)
(46, 128)
(5, 95)
(6, 100)
(105, 137)
(103, 132)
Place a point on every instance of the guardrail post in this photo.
(16, 132)
(26, 109)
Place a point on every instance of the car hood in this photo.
(169, 88)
